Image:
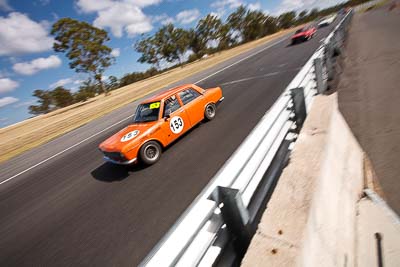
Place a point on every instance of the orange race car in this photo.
(159, 121)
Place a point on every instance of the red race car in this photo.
(303, 34)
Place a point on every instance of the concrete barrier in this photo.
(312, 218)
(330, 237)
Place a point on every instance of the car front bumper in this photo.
(128, 162)
(299, 39)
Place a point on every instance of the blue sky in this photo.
(27, 61)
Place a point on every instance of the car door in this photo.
(176, 121)
(194, 103)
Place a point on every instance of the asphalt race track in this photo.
(76, 210)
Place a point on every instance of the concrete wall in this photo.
(330, 233)
(374, 216)
(313, 216)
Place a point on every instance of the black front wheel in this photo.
(150, 152)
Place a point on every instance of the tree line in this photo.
(85, 47)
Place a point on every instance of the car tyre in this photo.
(210, 111)
(150, 152)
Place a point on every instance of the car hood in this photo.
(126, 137)
(300, 34)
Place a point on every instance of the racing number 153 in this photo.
(176, 125)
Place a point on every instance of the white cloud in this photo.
(5, 6)
(254, 6)
(19, 34)
(297, 5)
(123, 17)
(120, 16)
(7, 85)
(73, 83)
(116, 52)
(144, 3)
(36, 65)
(164, 19)
(215, 14)
(289, 5)
(188, 16)
(78, 82)
(24, 104)
(226, 4)
(61, 82)
(88, 6)
(44, 2)
(222, 6)
(7, 101)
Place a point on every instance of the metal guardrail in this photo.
(217, 227)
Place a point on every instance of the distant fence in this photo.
(216, 229)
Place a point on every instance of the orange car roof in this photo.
(167, 93)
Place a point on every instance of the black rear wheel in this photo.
(210, 111)
(150, 152)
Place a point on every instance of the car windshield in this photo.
(147, 112)
(299, 30)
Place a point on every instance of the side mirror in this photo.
(167, 117)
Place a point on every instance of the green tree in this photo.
(250, 24)
(137, 76)
(287, 20)
(149, 51)
(302, 16)
(166, 43)
(225, 39)
(195, 44)
(313, 14)
(253, 26)
(181, 38)
(61, 97)
(236, 23)
(87, 90)
(208, 29)
(270, 25)
(112, 83)
(45, 102)
(84, 46)
(236, 20)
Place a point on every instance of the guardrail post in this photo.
(236, 218)
(321, 85)
(299, 106)
(329, 61)
(337, 43)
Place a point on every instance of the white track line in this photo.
(90, 137)
(237, 62)
(260, 76)
(252, 78)
(65, 150)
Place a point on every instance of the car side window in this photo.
(188, 95)
(171, 104)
